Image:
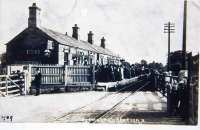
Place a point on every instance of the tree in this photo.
(3, 58)
(156, 66)
(143, 63)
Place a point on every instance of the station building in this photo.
(39, 45)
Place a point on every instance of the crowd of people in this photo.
(108, 73)
(175, 87)
(113, 73)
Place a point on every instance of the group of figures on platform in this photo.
(108, 73)
(113, 72)
(176, 90)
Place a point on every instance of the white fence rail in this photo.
(11, 85)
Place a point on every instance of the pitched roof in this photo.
(100, 49)
(70, 41)
(66, 40)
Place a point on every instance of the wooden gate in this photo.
(79, 75)
(12, 85)
(51, 74)
(54, 75)
(57, 76)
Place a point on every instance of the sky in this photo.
(134, 29)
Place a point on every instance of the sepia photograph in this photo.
(124, 62)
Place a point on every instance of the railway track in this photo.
(107, 112)
(87, 114)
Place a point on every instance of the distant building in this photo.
(39, 45)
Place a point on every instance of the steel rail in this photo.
(117, 104)
(101, 98)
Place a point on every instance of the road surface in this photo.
(81, 106)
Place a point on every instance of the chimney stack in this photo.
(34, 12)
(75, 31)
(90, 37)
(103, 42)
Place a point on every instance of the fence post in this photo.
(169, 97)
(155, 82)
(163, 84)
(6, 85)
(25, 83)
(28, 79)
(93, 77)
(122, 72)
(8, 70)
(190, 92)
(65, 75)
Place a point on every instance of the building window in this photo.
(85, 61)
(74, 58)
(33, 52)
(91, 61)
(50, 45)
(66, 59)
(98, 56)
(102, 61)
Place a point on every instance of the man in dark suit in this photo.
(37, 81)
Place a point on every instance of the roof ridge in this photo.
(76, 43)
(61, 33)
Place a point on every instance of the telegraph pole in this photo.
(184, 36)
(169, 28)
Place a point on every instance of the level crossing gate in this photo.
(59, 75)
